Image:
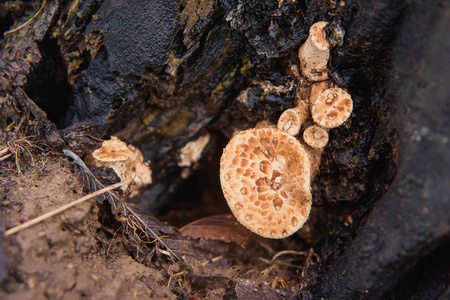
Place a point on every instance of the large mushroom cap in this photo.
(265, 177)
(332, 108)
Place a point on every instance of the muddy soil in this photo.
(68, 256)
(81, 253)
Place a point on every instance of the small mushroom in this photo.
(292, 120)
(114, 154)
(315, 136)
(192, 151)
(126, 161)
(332, 108)
(265, 178)
(314, 53)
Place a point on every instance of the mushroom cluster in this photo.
(266, 172)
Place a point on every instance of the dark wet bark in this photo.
(401, 250)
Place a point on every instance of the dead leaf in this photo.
(220, 227)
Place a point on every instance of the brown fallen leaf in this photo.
(220, 227)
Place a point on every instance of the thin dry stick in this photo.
(6, 157)
(4, 151)
(60, 210)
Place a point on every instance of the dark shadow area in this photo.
(5, 21)
(47, 83)
(199, 196)
(428, 280)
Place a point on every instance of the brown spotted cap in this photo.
(332, 108)
(315, 136)
(265, 177)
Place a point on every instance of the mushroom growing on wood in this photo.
(265, 177)
(114, 154)
(126, 161)
(315, 136)
(314, 53)
(292, 120)
(332, 108)
(192, 151)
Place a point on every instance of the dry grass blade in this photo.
(27, 22)
(4, 155)
(131, 218)
(4, 150)
(59, 210)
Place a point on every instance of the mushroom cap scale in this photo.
(265, 178)
(332, 108)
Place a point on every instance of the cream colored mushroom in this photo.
(332, 108)
(141, 174)
(114, 154)
(315, 136)
(126, 161)
(314, 53)
(292, 120)
(192, 151)
(265, 178)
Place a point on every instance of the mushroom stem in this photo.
(314, 156)
(314, 139)
(314, 53)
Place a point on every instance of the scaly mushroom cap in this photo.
(265, 177)
(332, 108)
(318, 37)
(291, 121)
(315, 136)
